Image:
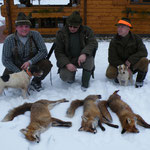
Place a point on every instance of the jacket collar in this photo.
(117, 38)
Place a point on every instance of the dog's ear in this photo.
(126, 67)
(34, 69)
(119, 68)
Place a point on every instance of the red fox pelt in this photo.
(41, 118)
(126, 116)
(91, 114)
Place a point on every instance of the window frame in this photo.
(140, 2)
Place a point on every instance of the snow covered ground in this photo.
(57, 138)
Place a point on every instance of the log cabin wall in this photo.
(100, 15)
(39, 14)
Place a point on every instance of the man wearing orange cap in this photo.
(127, 48)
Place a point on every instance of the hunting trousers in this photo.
(69, 76)
(140, 66)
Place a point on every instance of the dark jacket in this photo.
(87, 41)
(132, 51)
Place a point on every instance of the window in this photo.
(140, 1)
(29, 3)
(135, 0)
(48, 22)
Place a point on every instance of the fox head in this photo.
(31, 135)
(89, 124)
(128, 125)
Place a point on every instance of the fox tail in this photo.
(17, 111)
(73, 106)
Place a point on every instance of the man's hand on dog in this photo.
(128, 63)
(25, 65)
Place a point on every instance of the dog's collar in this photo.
(28, 72)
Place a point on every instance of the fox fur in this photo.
(20, 80)
(91, 115)
(40, 120)
(126, 116)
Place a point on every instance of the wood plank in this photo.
(110, 10)
(99, 2)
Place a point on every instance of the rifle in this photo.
(51, 50)
(48, 57)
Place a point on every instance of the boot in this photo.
(140, 79)
(36, 85)
(85, 78)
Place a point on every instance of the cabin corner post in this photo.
(9, 16)
(85, 12)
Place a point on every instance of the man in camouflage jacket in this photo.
(75, 48)
(127, 48)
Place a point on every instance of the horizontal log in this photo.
(96, 31)
(99, 2)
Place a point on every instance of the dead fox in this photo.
(41, 118)
(126, 116)
(91, 115)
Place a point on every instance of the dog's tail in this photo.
(17, 111)
(73, 106)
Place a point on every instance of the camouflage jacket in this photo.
(133, 51)
(87, 41)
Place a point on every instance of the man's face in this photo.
(73, 29)
(23, 30)
(123, 30)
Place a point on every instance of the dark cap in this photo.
(74, 19)
(22, 20)
(124, 21)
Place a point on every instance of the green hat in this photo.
(22, 20)
(124, 21)
(74, 19)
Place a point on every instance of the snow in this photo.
(57, 138)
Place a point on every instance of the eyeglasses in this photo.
(74, 27)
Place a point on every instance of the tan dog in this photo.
(91, 114)
(41, 118)
(126, 116)
(20, 80)
(124, 75)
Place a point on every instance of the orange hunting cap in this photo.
(124, 21)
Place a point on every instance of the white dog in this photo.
(124, 75)
(20, 79)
